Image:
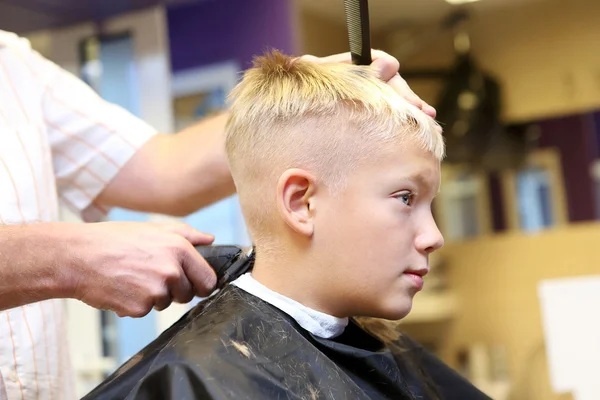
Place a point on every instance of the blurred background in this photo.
(517, 87)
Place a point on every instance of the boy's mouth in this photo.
(416, 277)
(417, 271)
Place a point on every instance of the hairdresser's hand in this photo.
(131, 268)
(387, 67)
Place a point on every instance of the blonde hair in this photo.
(326, 118)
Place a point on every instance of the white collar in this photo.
(319, 324)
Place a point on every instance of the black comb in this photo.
(359, 32)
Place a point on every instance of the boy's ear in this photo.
(295, 199)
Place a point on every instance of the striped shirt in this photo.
(60, 143)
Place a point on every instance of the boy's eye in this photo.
(406, 198)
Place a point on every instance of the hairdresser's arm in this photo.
(127, 267)
(178, 174)
(175, 174)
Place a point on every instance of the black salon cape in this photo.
(200, 357)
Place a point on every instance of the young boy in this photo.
(336, 175)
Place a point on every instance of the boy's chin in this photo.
(393, 311)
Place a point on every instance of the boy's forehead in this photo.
(409, 163)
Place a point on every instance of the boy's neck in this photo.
(294, 278)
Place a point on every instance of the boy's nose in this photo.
(430, 239)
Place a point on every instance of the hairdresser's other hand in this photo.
(133, 267)
(387, 67)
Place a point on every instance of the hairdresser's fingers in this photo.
(192, 235)
(310, 58)
(381, 58)
(400, 86)
(429, 110)
(387, 66)
(198, 271)
(181, 288)
(163, 303)
(335, 58)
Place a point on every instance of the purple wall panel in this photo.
(497, 203)
(574, 136)
(212, 31)
(596, 128)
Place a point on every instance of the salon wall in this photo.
(548, 58)
(497, 291)
(546, 55)
(212, 31)
(320, 36)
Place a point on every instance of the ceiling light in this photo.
(457, 2)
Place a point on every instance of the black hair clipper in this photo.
(228, 262)
(359, 31)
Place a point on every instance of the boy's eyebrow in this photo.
(421, 180)
(417, 177)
